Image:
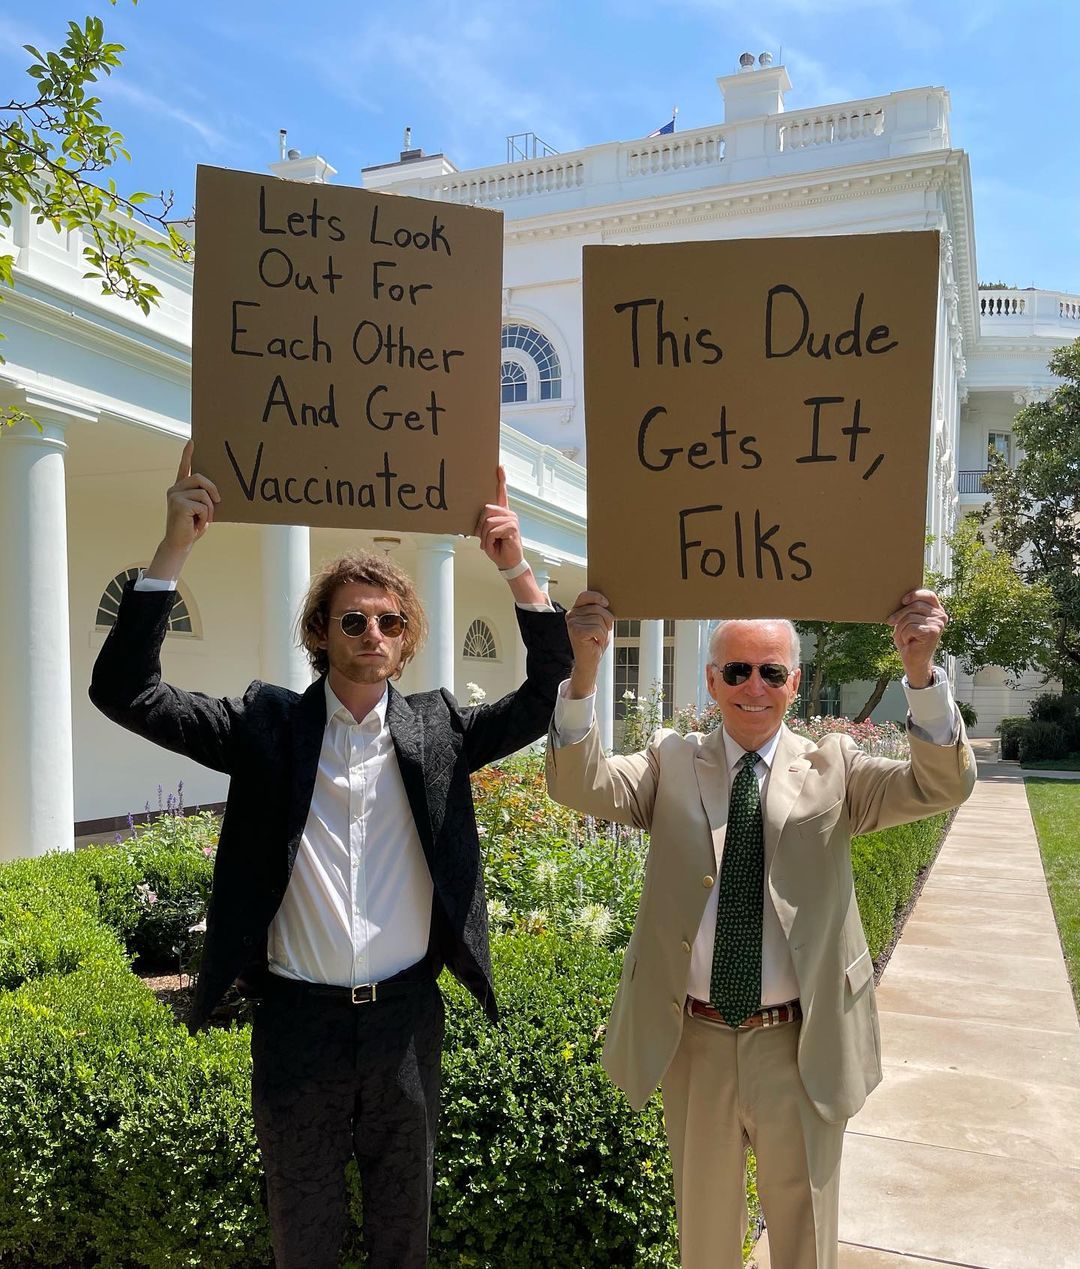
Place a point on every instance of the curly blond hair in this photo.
(367, 569)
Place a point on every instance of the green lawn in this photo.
(1055, 808)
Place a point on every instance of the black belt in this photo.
(422, 974)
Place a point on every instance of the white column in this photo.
(286, 575)
(650, 658)
(705, 629)
(36, 777)
(605, 698)
(688, 667)
(435, 583)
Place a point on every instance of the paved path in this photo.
(968, 1154)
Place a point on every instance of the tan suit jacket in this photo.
(818, 797)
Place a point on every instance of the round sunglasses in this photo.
(772, 672)
(354, 624)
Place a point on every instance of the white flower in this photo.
(498, 912)
(547, 873)
(477, 695)
(595, 921)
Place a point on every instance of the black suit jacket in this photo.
(268, 742)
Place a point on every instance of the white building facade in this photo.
(83, 497)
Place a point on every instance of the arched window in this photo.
(109, 605)
(515, 383)
(479, 642)
(535, 355)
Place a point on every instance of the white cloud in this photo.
(144, 99)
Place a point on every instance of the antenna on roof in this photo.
(282, 137)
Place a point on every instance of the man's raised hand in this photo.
(189, 505)
(589, 625)
(498, 528)
(189, 508)
(918, 625)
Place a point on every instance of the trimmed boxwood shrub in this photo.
(886, 866)
(541, 1161)
(1043, 741)
(49, 924)
(122, 1140)
(1010, 730)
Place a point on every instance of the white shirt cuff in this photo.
(142, 582)
(932, 715)
(548, 607)
(573, 717)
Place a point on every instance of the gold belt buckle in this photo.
(365, 994)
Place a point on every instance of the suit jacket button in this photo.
(708, 881)
(686, 946)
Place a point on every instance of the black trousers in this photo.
(332, 1080)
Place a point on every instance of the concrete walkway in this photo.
(968, 1154)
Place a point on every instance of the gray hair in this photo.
(793, 635)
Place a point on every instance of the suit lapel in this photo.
(710, 768)
(309, 724)
(407, 733)
(789, 768)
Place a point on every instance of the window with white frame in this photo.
(531, 370)
(1000, 443)
(479, 642)
(109, 605)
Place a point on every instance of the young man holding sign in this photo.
(348, 871)
(747, 989)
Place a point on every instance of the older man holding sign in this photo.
(747, 987)
(752, 451)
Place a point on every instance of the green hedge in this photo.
(541, 1161)
(886, 866)
(123, 1141)
(1010, 730)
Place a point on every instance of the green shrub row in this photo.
(1050, 732)
(123, 1141)
(886, 866)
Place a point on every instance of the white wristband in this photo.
(522, 566)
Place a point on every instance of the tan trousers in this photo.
(726, 1090)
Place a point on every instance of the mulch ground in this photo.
(174, 990)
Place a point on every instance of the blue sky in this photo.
(213, 82)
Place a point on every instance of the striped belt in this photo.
(772, 1016)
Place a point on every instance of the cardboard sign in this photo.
(345, 355)
(758, 418)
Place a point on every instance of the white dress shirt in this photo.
(358, 905)
(933, 717)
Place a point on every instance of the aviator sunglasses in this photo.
(354, 624)
(772, 673)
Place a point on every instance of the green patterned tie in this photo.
(735, 988)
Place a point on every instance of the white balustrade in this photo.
(1001, 303)
(673, 152)
(830, 126)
